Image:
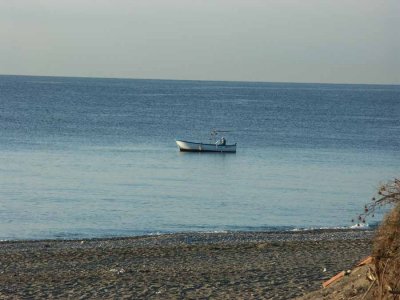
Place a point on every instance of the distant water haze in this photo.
(84, 157)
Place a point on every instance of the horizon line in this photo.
(203, 80)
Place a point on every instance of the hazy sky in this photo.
(349, 41)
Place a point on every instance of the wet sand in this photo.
(239, 265)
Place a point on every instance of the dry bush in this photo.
(388, 194)
(386, 247)
(386, 253)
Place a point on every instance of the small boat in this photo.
(219, 145)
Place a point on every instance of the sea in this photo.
(92, 157)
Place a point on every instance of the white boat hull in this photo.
(200, 147)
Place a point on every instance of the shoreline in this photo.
(252, 265)
(271, 233)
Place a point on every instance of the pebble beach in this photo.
(226, 265)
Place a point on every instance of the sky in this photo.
(332, 41)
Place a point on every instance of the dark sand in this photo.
(180, 266)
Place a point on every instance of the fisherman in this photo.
(223, 141)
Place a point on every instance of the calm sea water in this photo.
(83, 157)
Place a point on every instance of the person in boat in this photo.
(223, 141)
